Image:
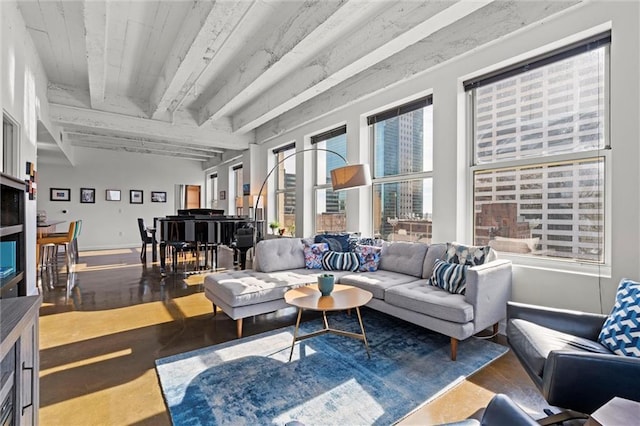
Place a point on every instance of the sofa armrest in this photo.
(585, 381)
(488, 290)
(582, 324)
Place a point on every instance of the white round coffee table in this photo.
(341, 298)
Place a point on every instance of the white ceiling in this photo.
(194, 79)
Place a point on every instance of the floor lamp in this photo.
(345, 177)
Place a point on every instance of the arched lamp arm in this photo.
(255, 210)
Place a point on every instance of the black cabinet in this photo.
(12, 239)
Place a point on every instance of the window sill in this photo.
(559, 266)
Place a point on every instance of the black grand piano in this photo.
(203, 233)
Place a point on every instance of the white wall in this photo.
(24, 87)
(552, 284)
(112, 224)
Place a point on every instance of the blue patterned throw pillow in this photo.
(449, 276)
(369, 257)
(621, 331)
(340, 261)
(466, 255)
(313, 255)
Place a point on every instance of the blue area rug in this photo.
(330, 380)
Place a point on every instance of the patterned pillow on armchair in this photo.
(621, 331)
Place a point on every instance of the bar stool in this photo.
(48, 245)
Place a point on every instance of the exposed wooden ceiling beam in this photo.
(78, 134)
(206, 29)
(90, 120)
(336, 66)
(289, 48)
(98, 142)
(95, 24)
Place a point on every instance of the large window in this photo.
(330, 209)
(214, 190)
(286, 187)
(236, 186)
(9, 152)
(539, 163)
(403, 165)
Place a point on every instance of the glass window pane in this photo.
(551, 210)
(402, 210)
(557, 108)
(286, 208)
(402, 145)
(237, 175)
(327, 161)
(286, 178)
(330, 211)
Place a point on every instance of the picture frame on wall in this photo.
(158, 197)
(112, 195)
(87, 195)
(60, 194)
(135, 196)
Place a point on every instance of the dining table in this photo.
(48, 227)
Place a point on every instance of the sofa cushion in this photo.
(279, 254)
(375, 282)
(313, 255)
(248, 287)
(450, 277)
(535, 342)
(621, 331)
(435, 251)
(339, 261)
(419, 297)
(369, 257)
(405, 258)
(466, 255)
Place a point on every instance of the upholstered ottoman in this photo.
(278, 267)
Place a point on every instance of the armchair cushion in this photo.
(621, 331)
(535, 342)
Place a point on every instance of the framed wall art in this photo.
(60, 194)
(87, 195)
(113, 195)
(158, 197)
(135, 196)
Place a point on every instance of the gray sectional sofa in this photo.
(399, 287)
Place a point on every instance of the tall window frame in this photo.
(548, 166)
(213, 180)
(285, 186)
(235, 185)
(10, 146)
(402, 183)
(329, 207)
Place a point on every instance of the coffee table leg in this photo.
(364, 336)
(324, 317)
(295, 333)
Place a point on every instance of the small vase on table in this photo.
(325, 284)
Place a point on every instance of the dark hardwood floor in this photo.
(103, 326)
